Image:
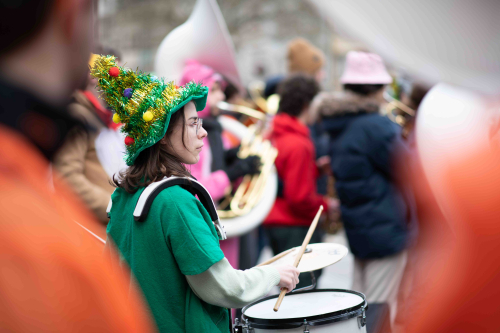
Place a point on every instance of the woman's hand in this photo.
(289, 277)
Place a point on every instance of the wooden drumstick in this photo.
(273, 259)
(299, 255)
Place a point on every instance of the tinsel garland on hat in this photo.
(142, 102)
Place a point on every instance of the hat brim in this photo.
(379, 79)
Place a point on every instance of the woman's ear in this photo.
(165, 142)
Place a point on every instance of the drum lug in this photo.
(362, 319)
(237, 328)
(306, 326)
(248, 328)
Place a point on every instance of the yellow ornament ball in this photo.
(147, 116)
(116, 118)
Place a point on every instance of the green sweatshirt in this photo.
(176, 239)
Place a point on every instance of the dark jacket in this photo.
(374, 211)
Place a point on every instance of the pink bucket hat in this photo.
(195, 71)
(364, 68)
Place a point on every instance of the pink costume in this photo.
(215, 182)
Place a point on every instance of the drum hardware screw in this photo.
(306, 328)
(308, 250)
(362, 319)
(249, 329)
(237, 328)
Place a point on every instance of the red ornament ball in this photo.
(114, 71)
(129, 140)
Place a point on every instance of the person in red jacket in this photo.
(298, 200)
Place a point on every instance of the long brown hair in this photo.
(155, 162)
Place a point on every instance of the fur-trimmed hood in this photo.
(336, 104)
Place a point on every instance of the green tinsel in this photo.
(149, 94)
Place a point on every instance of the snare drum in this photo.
(315, 311)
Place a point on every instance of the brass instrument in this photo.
(241, 109)
(256, 90)
(251, 189)
(397, 111)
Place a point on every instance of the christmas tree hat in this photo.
(143, 103)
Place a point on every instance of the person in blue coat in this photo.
(375, 212)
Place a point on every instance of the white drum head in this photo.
(305, 305)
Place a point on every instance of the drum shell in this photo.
(347, 320)
(347, 326)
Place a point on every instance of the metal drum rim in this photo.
(316, 320)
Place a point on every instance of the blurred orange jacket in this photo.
(457, 280)
(54, 276)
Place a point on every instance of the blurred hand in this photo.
(246, 166)
(289, 277)
(323, 164)
(333, 205)
(231, 155)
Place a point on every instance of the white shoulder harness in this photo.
(193, 186)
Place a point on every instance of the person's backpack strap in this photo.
(196, 188)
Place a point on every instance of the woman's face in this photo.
(215, 96)
(190, 153)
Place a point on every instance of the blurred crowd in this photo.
(352, 151)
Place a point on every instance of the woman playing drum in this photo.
(174, 254)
